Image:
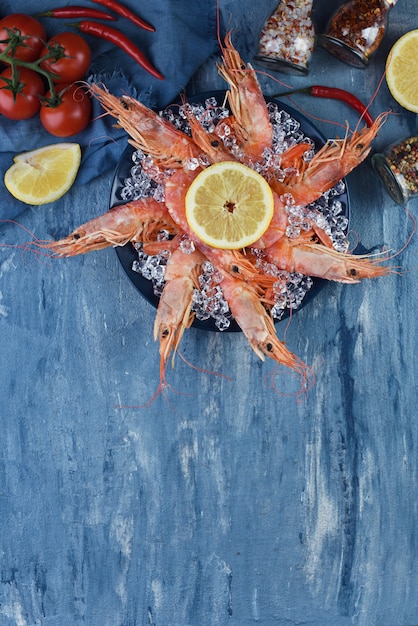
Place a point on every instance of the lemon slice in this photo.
(45, 174)
(229, 205)
(402, 71)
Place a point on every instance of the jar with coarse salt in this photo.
(288, 38)
(356, 30)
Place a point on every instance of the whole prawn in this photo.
(174, 312)
(131, 222)
(148, 131)
(330, 164)
(313, 259)
(250, 116)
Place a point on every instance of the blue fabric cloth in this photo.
(184, 38)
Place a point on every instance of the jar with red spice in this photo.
(288, 38)
(356, 30)
(397, 167)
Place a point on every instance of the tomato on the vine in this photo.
(23, 102)
(75, 61)
(29, 29)
(70, 115)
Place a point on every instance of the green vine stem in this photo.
(55, 51)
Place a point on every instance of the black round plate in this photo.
(127, 254)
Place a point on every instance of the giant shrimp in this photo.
(295, 255)
(250, 118)
(131, 222)
(174, 312)
(336, 159)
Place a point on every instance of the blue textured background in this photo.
(227, 503)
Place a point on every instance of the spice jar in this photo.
(288, 38)
(355, 31)
(397, 166)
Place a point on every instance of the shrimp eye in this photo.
(235, 269)
(165, 333)
(214, 143)
(269, 347)
(76, 236)
(353, 272)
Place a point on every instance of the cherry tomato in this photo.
(27, 102)
(74, 65)
(72, 113)
(30, 30)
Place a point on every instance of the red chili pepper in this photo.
(78, 11)
(103, 31)
(320, 91)
(120, 9)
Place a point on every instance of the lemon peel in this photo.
(402, 70)
(43, 175)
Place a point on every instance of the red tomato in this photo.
(74, 65)
(26, 103)
(72, 113)
(30, 30)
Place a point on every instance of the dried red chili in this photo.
(103, 31)
(356, 30)
(320, 91)
(120, 9)
(74, 11)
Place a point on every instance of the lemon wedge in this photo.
(229, 205)
(43, 175)
(402, 71)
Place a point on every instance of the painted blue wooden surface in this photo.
(227, 502)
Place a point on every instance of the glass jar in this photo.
(397, 166)
(355, 31)
(288, 38)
